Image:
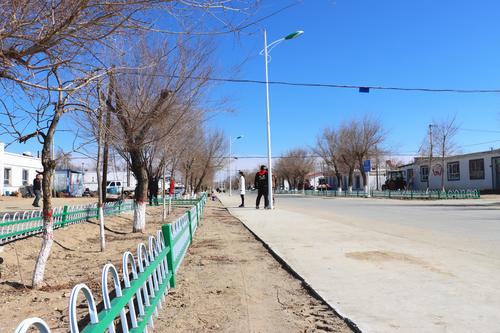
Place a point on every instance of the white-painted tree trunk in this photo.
(350, 188)
(101, 228)
(339, 189)
(139, 216)
(43, 255)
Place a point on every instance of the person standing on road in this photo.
(261, 183)
(242, 189)
(37, 189)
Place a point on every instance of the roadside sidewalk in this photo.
(383, 283)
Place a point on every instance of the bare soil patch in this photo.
(75, 258)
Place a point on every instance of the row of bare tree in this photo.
(342, 150)
(132, 72)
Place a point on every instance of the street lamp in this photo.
(230, 143)
(267, 49)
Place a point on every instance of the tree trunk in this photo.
(48, 222)
(363, 175)
(350, 180)
(105, 160)
(339, 177)
(141, 192)
(442, 163)
(442, 173)
(101, 190)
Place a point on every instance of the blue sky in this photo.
(431, 44)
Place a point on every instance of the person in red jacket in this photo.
(261, 183)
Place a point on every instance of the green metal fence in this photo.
(17, 225)
(433, 194)
(145, 283)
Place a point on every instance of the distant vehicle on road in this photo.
(395, 181)
(116, 187)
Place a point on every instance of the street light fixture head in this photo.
(239, 137)
(294, 35)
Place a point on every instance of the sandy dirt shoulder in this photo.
(227, 283)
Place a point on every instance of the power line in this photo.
(360, 88)
(343, 86)
(479, 130)
(480, 143)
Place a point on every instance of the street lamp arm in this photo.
(271, 46)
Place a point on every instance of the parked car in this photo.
(117, 187)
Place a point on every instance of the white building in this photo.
(479, 170)
(18, 170)
(376, 178)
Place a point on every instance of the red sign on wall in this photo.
(437, 170)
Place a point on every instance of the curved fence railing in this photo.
(141, 290)
(23, 224)
(433, 194)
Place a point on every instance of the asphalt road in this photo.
(472, 225)
(391, 265)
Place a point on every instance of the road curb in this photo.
(352, 325)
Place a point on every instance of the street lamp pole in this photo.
(230, 189)
(267, 49)
(230, 158)
(268, 123)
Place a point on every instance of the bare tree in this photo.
(294, 165)
(63, 160)
(444, 133)
(368, 136)
(44, 53)
(212, 158)
(328, 148)
(439, 141)
(347, 151)
(151, 102)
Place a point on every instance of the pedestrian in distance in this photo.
(153, 191)
(242, 189)
(275, 183)
(37, 189)
(261, 183)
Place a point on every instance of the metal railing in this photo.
(18, 225)
(146, 280)
(433, 194)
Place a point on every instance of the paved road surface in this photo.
(390, 265)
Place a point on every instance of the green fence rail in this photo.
(145, 282)
(19, 225)
(433, 194)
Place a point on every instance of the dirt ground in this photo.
(228, 281)
(8, 204)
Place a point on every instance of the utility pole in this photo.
(229, 169)
(430, 158)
